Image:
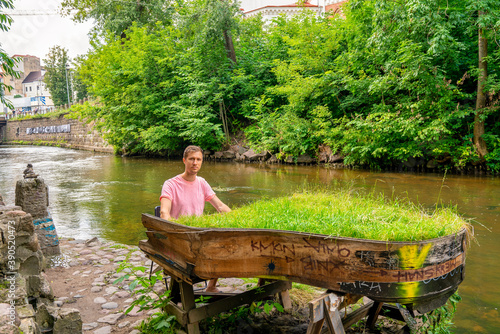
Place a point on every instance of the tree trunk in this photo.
(229, 46)
(479, 142)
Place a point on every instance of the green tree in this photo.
(6, 63)
(486, 16)
(79, 86)
(118, 16)
(58, 75)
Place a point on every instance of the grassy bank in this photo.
(339, 213)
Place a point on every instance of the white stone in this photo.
(76, 273)
(104, 261)
(110, 306)
(111, 290)
(111, 319)
(103, 330)
(122, 294)
(89, 326)
(100, 300)
(135, 312)
(95, 289)
(123, 324)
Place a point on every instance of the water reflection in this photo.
(94, 194)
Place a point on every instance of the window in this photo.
(30, 88)
(26, 88)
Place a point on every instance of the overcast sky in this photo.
(35, 34)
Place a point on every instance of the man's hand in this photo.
(218, 205)
(166, 206)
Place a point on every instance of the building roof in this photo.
(33, 76)
(24, 56)
(305, 5)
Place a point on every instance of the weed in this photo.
(440, 320)
(148, 298)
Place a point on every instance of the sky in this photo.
(36, 34)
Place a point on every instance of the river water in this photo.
(94, 194)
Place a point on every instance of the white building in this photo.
(271, 9)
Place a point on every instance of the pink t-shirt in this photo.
(188, 198)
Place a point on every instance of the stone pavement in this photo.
(82, 278)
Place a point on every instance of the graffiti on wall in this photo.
(65, 128)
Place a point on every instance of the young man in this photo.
(186, 194)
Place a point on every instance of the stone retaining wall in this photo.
(70, 133)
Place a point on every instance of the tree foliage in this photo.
(57, 76)
(7, 63)
(386, 82)
(118, 16)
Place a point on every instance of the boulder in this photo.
(301, 159)
(228, 155)
(206, 154)
(39, 286)
(324, 153)
(336, 158)
(304, 159)
(431, 164)
(33, 196)
(29, 326)
(237, 149)
(69, 321)
(273, 160)
(8, 317)
(218, 155)
(61, 321)
(250, 155)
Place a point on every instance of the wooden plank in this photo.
(323, 308)
(373, 314)
(317, 306)
(405, 272)
(410, 321)
(168, 265)
(315, 327)
(179, 314)
(285, 300)
(188, 304)
(229, 303)
(333, 320)
(356, 315)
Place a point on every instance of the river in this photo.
(94, 194)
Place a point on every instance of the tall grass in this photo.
(341, 214)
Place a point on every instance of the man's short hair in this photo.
(191, 149)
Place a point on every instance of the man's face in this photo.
(193, 162)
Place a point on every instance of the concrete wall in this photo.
(80, 135)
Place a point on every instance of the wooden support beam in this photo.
(188, 304)
(373, 314)
(324, 308)
(356, 315)
(203, 312)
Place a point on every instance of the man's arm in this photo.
(218, 205)
(166, 206)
